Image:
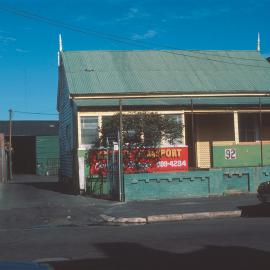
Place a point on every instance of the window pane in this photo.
(248, 127)
(89, 129)
(176, 120)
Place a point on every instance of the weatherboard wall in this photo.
(66, 129)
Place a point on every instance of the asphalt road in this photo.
(233, 243)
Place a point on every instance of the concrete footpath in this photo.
(180, 209)
(41, 204)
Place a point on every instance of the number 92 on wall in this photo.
(230, 153)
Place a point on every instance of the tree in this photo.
(141, 129)
(143, 134)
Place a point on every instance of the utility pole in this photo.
(261, 139)
(120, 151)
(10, 145)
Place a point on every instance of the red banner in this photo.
(148, 160)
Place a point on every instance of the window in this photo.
(248, 127)
(89, 130)
(176, 121)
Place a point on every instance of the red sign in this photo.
(148, 160)
(98, 162)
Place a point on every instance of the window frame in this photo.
(100, 114)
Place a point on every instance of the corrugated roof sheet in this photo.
(30, 128)
(110, 72)
(217, 101)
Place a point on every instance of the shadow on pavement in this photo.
(56, 187)
(258, 210)
(134, 256)
(50, 183)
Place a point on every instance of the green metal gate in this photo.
(113, 172)
(105, 185)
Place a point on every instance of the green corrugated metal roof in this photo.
(220, 101)
(110, 72)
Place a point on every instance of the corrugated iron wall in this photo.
(47, 155)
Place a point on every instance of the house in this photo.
(35, 146)
(221, 97)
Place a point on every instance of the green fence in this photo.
(197, 183)
(212, 182)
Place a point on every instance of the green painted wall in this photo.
(246, 155)
(194, 183)
(47, 155)
(166, 185)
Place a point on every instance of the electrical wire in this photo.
(40, 113)
(128, 41)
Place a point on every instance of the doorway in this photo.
(24, 155)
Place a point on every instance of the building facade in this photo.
(220, 97)
(35, 146)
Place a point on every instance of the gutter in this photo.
(140, 96)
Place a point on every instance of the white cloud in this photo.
(7, 39)
(149, 34)
(131, 14)
(5, 42)
(202, 13)
(21, 50)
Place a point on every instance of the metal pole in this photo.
(260, 106)
(10, 145)
(193, 133)
(120, 161)
(2, 156)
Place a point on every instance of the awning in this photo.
(174, 102)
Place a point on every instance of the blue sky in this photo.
(28, 48)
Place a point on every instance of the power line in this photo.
(127, 41)
(70, 27)
(40, 113)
